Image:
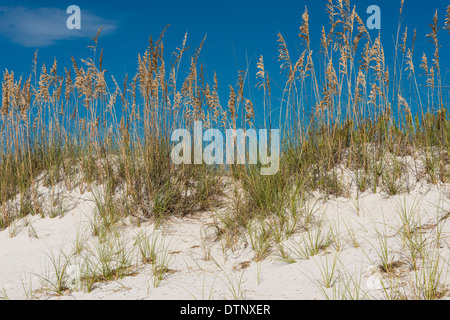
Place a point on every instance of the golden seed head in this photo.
(447, 19)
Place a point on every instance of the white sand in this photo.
(26, 246)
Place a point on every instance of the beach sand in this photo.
(201, 267)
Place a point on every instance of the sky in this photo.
(237, 32)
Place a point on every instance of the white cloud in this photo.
(40, 27)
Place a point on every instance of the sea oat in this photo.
(249, 112)
(5, 93)
(447, 19)
(304, 29)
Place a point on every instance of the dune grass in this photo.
(349, 129)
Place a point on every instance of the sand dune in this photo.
(353, 234)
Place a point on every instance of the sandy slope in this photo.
(26, 247)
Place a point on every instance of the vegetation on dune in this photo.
(75, 130)
(359, 126)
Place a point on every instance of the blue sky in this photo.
(238, 32)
